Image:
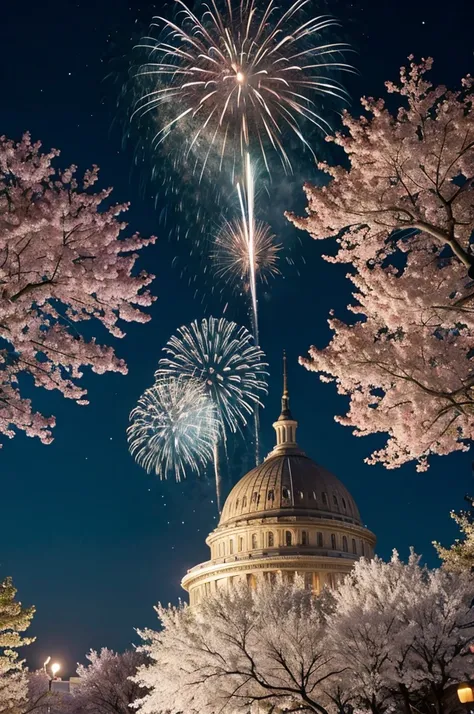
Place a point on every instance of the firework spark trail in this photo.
(247, 206)
(246, 195)
(232, 83)
(250, 186)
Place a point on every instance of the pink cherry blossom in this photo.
(402, 215)
(63, 261)
(459, 557)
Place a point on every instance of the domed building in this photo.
(288, 515)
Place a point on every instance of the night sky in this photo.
(88, 537)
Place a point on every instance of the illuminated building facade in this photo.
(288, 515)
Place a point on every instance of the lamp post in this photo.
(54, 669)
(466, 695)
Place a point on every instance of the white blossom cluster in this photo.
(393, 637)
(14, 619)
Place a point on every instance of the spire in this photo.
(285, 426)
(285, 399)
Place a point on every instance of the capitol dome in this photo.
(289, 484)
(288, 515)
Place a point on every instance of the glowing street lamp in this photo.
(466, 694)
(55, 667)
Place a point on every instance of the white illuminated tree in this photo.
(240, 647)
(401, 631)
(393, 638)
(105, 685)
(14, 619)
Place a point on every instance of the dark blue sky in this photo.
(89, 538)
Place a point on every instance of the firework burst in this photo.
(231, 255)
(239, 77)
(173, 428)
(224, 358)
(223, 85)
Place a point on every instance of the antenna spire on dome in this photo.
(285, 399)
(285, 426)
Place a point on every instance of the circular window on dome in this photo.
(285, 493)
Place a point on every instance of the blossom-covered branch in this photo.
(240, 647)
(403, 217)
(63, 261)
(14, 619)
(403, 632)
(393, 637)
(105, 684)
(460, 556)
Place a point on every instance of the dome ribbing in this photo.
(289, 485)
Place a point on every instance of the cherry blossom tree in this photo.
(460, 556)
(14, 619)
(392, 637)
(63, 261)
(104, 686)
(241, 647)
(40, 698)
(402, 633)
(401, 214)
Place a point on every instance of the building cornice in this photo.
(300, 522)
(213, 569)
